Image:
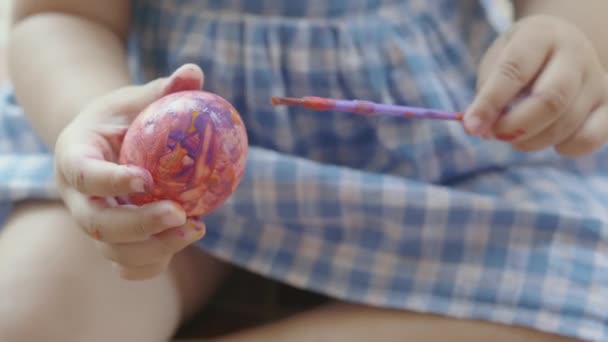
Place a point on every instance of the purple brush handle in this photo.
(371, 108)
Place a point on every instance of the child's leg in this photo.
(55, 286)
(343, 322)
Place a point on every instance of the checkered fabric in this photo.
(398, 213)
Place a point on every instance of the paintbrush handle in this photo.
(365, 108)
(372, 108)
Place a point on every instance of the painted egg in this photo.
(195, 146)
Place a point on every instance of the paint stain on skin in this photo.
(96, 235)
(199, 235)
(198, 231)
(192, 230)
(511, 136)
(101, 202)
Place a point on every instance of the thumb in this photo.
(187, 77)
(134, 99)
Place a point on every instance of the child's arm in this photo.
(590, 16)
(63, 54)
(69, 67)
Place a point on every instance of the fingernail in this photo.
(195, 229)
(142, 179)
(138, 185)
(186, 77)
(174, 219)
(473, 124)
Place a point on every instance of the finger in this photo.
(142, 272)
(552, 94)
(561, 129)
(517, 66)
(124, 224)
(135, 98)
(187, 77)
(98, 177)
(155, 249)
(589, 137)
(491, 56)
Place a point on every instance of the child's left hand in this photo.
(556, 65)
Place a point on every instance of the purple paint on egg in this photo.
(195, 148)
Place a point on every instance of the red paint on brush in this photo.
(310, 102)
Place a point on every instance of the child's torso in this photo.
(414, 52)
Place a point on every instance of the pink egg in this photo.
(195, 146)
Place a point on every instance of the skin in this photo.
(66, 280)
(81, 108)
(564, 78)
(140, 241)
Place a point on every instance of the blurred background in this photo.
(5, 6)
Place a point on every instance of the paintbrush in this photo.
(365, 108)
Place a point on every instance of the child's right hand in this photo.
(140, 241)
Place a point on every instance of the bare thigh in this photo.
(56, 287)
(353, 323)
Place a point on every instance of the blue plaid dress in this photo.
(397, 213)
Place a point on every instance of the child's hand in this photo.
(566, 105)
(139, 240)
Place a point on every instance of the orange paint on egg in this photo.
(189, 141)
(192, 128)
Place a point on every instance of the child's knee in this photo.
(42, 274)
(45, 233)
(16, 329)
(32, 319)
(38, 305)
